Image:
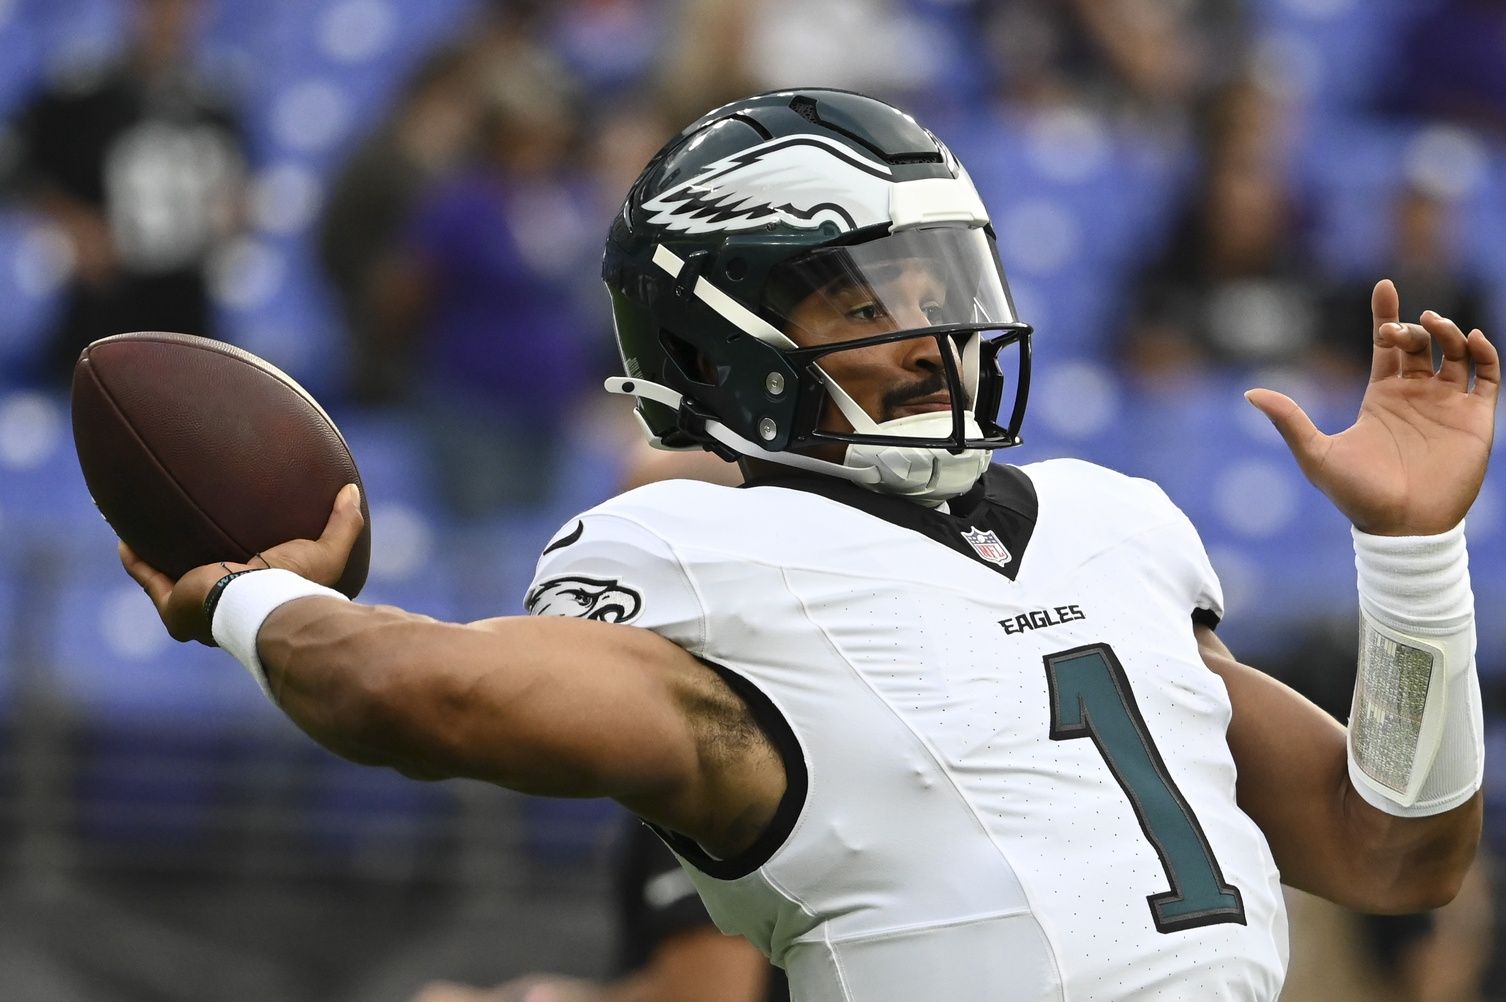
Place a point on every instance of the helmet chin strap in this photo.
(926, 476)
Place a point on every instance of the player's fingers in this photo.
(345, 519)
(1301, 435)
(1385, 303)
(344, 525)
(158, 586)
(1487, 365)
(1411, 348)
(1385, 308)
(1451, 342)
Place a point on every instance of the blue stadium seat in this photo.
(390, 451)
(372, 821)
(42, 492)
(114, 664)
(1219, 460)
(1335, 51)
(30, 259)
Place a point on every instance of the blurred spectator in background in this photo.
(139, 163)
(696, 78)
(621, 131)
(1236, 284)
(668, 950)
(1149, 60)
(742, 48)
(1423, 258)
(1441, 956)
(485, 288)
(432, 125)
(614, 45)
(509, 43)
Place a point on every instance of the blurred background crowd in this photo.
(401, 203)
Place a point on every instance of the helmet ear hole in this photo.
(693, 365)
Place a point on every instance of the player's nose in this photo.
(920, 352)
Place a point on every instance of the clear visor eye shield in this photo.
(894, 341)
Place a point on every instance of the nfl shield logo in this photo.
(987, 544)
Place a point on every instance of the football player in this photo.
(919, 726)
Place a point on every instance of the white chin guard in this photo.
(929, 476)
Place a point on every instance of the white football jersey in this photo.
(1008, 771)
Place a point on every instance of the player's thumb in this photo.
(345, 521)
(1301, 435)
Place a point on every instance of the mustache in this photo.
(896, 398)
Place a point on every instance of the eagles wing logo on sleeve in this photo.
(584, 598)
(800, 181)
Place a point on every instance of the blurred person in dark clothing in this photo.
(1424, 258)
(1438, 956)
(668, 950)
(488, 273)
(1143, 58)
(139, 163)
(1235, 285)
(371, 201)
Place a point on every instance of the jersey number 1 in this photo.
(1091, 698)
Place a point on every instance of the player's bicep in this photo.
(1292, 769)
(570, 707)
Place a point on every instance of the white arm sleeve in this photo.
(1416, 733)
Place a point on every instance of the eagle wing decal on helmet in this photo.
(799, 181)
(584, 598)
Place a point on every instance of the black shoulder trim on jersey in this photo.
(1206, 617)
(797, 782)
(564, 541)
(998, 513)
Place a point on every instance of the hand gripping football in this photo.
(196, 451)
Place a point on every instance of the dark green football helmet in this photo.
(821, 204)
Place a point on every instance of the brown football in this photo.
(196, 451)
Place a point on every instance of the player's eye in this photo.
(935, 313)
(867, 313)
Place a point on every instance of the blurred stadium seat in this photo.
(42, 491)
(111, 661)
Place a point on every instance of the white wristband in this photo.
(246, 602)
(1416, 736)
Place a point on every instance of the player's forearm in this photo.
(483, 700)
(1415, 744)
(1326, 839)
(1408, 864)
(357, 679)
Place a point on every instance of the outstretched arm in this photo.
(543, 705)
(1385, 816)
